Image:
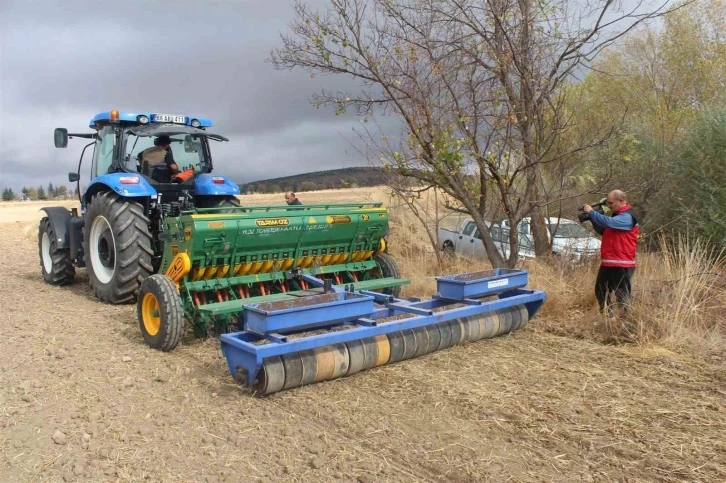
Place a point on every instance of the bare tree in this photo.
(477, 85)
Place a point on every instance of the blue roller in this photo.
(340, 316)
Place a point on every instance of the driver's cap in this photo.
(162, 140)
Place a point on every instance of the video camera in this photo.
(583, 217)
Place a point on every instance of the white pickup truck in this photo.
(570, 240)
(467, 241)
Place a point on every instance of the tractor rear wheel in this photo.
(387, 267)
(117, 247)
(218, 202)
(55, 263)
(160, 313)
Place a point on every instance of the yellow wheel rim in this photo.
(150, 314)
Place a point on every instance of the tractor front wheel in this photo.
(117, 248)
(55, 262)
(160, 313)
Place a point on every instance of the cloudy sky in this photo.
(61, 62)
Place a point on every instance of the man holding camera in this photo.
(617, 251)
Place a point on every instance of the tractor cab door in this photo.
(104, 151)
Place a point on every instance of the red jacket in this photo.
(619, 237)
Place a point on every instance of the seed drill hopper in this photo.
(303, 294)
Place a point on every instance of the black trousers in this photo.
(614, 279)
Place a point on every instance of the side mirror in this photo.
(73, 177)
(60, 137)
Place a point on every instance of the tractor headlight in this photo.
(142, 119)
(196, 123)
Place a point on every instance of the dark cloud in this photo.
(62, 62)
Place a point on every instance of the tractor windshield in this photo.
(188, 151)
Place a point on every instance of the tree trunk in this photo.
(537, 222)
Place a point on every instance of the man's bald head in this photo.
(617, 195)
(616, 200)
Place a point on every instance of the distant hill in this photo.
(319, 180)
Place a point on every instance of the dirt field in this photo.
(84, 399)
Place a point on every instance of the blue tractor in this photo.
(144, 167)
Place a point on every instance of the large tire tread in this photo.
(170, 308)
(389, 268)
(219, 202)
(62, 270)
(133, 247)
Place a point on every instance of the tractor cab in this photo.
(169, 152)
(144, 168)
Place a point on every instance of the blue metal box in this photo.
(481, 284)
(306, 312)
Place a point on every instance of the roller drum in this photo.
(505, 321)
(409, 344)
(310, 366)
(463, 330)
(434, 336)
(491, 325)
(325, 363)
(455, 332)
(445, 331)
(293, 370)
(370, 347)
(514, 314)
(271, 377)
(384, 350)
(474, 328)
(397, 344)
(341, 360)
(524, 316)
(422, 341)
(357, 355)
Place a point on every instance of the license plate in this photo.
(169, 118)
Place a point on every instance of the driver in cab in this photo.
(160, 153)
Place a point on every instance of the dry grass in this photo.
(679, 293)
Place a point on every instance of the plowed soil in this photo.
(83, 398)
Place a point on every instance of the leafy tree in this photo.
(696, 184)
(41, 193)
(476, 86)
(8, 194)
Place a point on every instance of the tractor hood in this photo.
(172, 129)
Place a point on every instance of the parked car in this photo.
(570, 240)
(466, 241)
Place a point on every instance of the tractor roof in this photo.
(172, 129)
(148, 118)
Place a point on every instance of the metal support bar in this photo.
(408, 309)
(312, 279)
(379, 297)
(365, 322)
(277, 338)
(455, 301)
